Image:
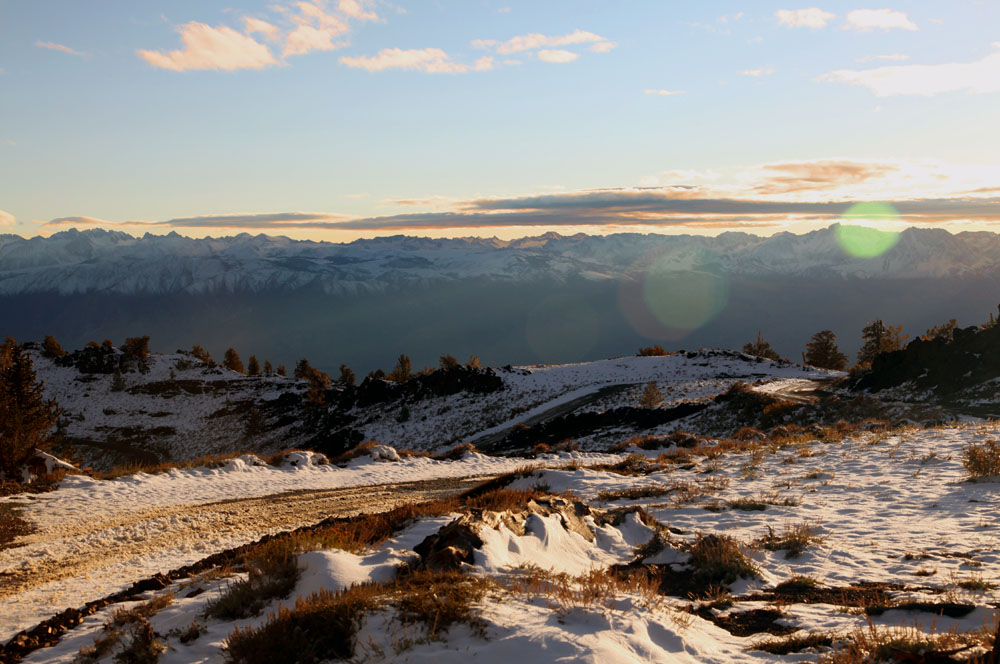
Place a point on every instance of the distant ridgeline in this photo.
(544, 299)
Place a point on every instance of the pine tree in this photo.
(944, 331)
(347, 377)
(51, 348)
(135, 354)
(878, 338)
(403, 370)
(761, 348)
(822, 351)
(117, 381)
(651, 396)
(253, 368)
(281, 370)
(268, 369)
(232, 360)
(473, 362)
(26, 417)
(448, 362)
(202, 354)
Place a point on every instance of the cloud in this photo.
(275, 220)
(536, 40)
(6, 219)
(663, 93)
(253, 25)
(315, 31)
(206, 47)
(52, 46)
(867, 20)
(603, 47)
(356, 10)
(813, 17)
(428, 60)
(557, 55)
(891, 57)
(791, 177)
(979, 76)
(758, 73)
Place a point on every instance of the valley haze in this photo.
(550, 298)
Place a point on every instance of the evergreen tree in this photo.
(232, 360)
(473, 362)
(822, 351)
(761, 348)
(377, 374)
(281, 370)
(447, 362)
(302, 369)
(268, 369)
(346, 376)
(651, 396)
(135, 353)
(202, 354)
(51, 348)
(403, 370)
(878, 338)
(26, 417)
(117, 381)
(253, 368)
(944, 331)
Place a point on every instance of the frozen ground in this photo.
(891, 508)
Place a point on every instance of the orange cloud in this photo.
(206, 47)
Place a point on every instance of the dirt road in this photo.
(117, 549)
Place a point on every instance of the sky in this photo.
(342, 119)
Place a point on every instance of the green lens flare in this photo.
(865, 241)
(685, 300)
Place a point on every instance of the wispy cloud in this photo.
(813, 17)
(663, 93)
(428, 60)
(557, 55)
(548, 48)
(306, 26)
(979, 76)
(759, 72)
(791, 177)
(52, 46)
(271, 221)
(206, 47)
(884, 57)
(867, 20)
(6, 219)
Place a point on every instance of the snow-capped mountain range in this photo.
(98, 261)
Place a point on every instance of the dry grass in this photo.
(983, 460)
(204, 461)
(797, 584)
(793, 540)
(634, 493)
(762, 501)
(457, 452)
(717, 559)
(142, 646)
(794, 643)
(272, 572)
(324, 625)
(595, 589)
(903, 643)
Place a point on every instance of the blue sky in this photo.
(343, 119)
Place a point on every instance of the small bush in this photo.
(797, 584)
(793, 541)
(272, 572)
(457, 452)
(652, 351)
(717, 559)
(982, 460)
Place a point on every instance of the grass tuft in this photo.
(983, 460)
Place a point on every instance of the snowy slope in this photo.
(891, 509)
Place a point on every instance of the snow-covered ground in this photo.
(892, 508)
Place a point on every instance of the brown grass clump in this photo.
(272, 572)
(905, 643)
(514, 500)
(359, 450)
(596, 588)
(793, 540)
(142, 647)
(324, 625)
(717, 559)
(204, 461)
(457, 452)
(983, 460)
(797, 584)
(634, 493)
(794, 643)
(762, 501)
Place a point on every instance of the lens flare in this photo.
(673, 293)
(857, 236)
